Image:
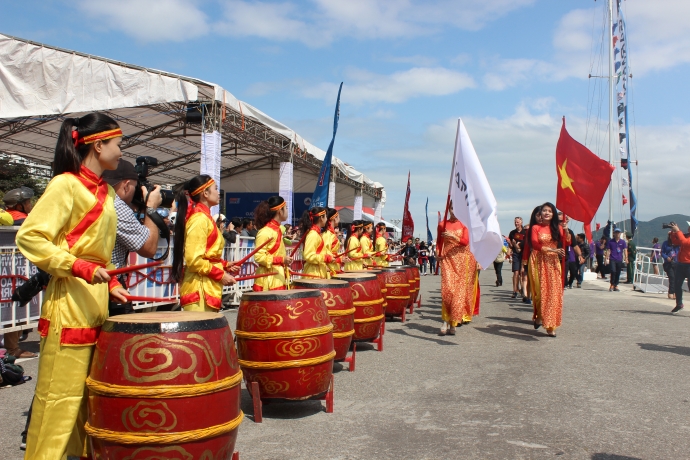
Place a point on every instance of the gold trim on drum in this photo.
(369, 320)
(122, 437)
(398, 285)
(162, 391)
(287, 364)
(284, 334)
(342, 335)
(406, 297)
(364, 303)
(341, 312)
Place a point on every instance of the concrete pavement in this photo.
(613, 385)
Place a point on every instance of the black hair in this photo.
(68, 158)
(309, 218)
(263, 213)
(331, 212)
(582, 235)
(532, 223)
(554, 225)
(236, 222)
(655, 240)
(181, 222)
(351, 230)
(246, 222)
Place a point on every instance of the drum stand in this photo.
(350, 360)
(258, 404)
(379, 340)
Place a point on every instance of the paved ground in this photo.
(613, 385)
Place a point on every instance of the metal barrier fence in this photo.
(649, 274)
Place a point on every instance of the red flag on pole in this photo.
(598, 226)
(407, 223)
(583, 178)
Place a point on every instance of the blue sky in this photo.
(509, 68)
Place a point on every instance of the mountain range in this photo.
(646, 231)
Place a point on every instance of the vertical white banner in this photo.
(358, 206)
(210, 159)
(331, 195)
(378, 211)
(285, 188)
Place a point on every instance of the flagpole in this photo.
(612, 95)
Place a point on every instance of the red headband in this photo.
(91, 138)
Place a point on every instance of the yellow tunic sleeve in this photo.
(263, 257)
(6, 218)
(36, 236)
(311, 244)
(353, 253)
(197, 231)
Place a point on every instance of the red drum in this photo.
(417, 280)
(368, 302)
(338, 299)
(285, 343)
(411, 280)
(398, 291)
(164, 385)
(379, 275)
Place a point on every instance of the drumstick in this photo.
(138, 298)
(132, 268)
(305, 274)
(248, 256)
(294, 250)
(251, 277)
(346, 252)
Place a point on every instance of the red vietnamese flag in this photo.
(583, 178)
(407, 222)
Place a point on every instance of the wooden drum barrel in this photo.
(379, 275)
(164, 385)
(418, 280)
(338, 299)
(285, 343)
(412, 281)
(368, 302)
(398, 291)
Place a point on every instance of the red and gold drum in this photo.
(164, 385)
(411, 280)
(379, 275)
(338, 299)
(285, 343)
(417, 279)
(398, 291)
(368, 302)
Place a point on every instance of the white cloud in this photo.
(365, 87)
(152, 20)
(417, 60)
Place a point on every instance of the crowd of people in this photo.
(93, 226)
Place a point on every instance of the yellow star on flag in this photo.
(566, 181)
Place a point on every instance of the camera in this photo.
(142, 169)
(669, 225)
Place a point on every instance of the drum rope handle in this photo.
(342, 335)
(341, 312)
(405, 297)
(367, 303)
(369, 320)
(287, 364)
(162, 391)
(283, 334)
(121, 437)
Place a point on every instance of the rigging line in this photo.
(591, 68)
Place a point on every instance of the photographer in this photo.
(18, 202)
(683, 265)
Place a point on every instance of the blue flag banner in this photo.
(320, 197)
(429, 236)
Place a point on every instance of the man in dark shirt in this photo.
(599, 249)
(616, 254)
(409, 252)
(632, 254)
(582, 259)
(517, 241)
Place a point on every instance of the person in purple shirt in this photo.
(616, 256)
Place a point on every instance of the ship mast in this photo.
(612, 109)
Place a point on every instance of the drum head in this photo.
(164, 321)
(356, 276)
(320, 284)
(281, 295)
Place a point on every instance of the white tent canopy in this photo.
(40, 85)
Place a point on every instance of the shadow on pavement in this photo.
(648, 312)
(600, 456)
(683, 351)
(282, 409)
(511, 332)
(423, 329)
(511, 320)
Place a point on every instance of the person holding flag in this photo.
(459, 275)
(548, 240)
(381, 246)
(366, 244)
(314, 253)
(272, 257)
(354, 247)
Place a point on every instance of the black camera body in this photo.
(142, 169)
(668, 226)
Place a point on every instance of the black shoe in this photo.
(22, 446)
(525, 300)
(615, 288)
(677, 309)
(514, 296)
(536, 325)
(570, 286)
(579, 286)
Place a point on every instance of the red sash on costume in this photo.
(275, 226)
(99, 188)
(316, 229)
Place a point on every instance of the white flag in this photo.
(473, 201)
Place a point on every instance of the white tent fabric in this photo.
(39, 80)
